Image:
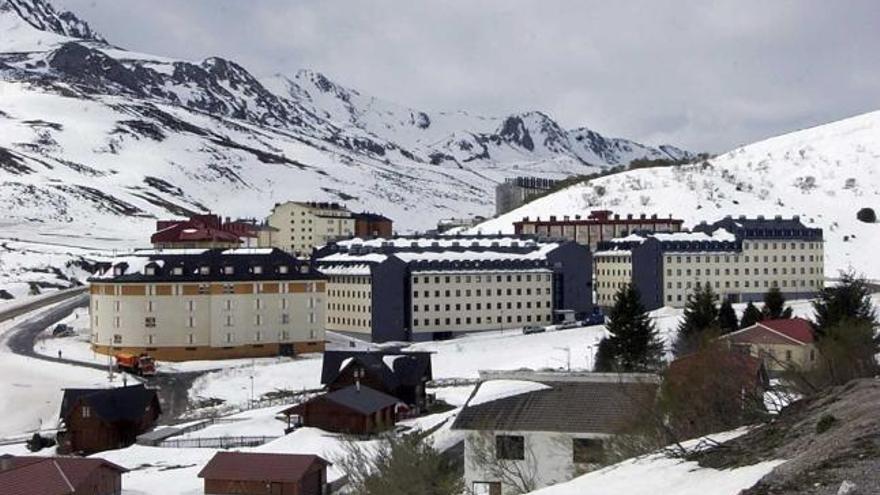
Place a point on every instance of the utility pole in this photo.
(567, 356)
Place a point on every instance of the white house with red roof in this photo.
(782, 344)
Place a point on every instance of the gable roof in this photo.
(393, 368)
(602, 407)
(364, 400)
(781, 331)
(111, 404)
(48, 475)
(251, 466)
(748, 367)
(796, 328)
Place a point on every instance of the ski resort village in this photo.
(213, 282)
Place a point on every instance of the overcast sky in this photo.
(702, 75)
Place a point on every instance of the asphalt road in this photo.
(173, 387)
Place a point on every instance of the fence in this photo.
(216, 442)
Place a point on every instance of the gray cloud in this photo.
(703, 75)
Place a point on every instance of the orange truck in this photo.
(143, 364)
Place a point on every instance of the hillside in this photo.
(97, 141)
(824, 174)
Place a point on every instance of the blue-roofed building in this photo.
(741, 258)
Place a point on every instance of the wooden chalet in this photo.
(246, 473)
(59, 476)
(355, 409)
(403, 375)
(104, 419)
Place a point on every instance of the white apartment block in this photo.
(301, 226)
(189, 304)
(740, 259)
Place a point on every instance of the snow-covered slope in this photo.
(824, 174)
(97, 141)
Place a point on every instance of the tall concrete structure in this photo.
(514, 192)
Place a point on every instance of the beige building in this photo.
(782, 344)
(740, 264)
(424, 288)
(301, 226)
(189, 304)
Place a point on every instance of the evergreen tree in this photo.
(847, 303)
(700, 318)
(774, 305)
(605, 356)
(751, 315)
(727, 321)
(633, 345)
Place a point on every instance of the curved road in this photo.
(173, 387)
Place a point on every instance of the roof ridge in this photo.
(64, 476)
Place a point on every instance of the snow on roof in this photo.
(248, 251)
(500, 389)
(356, 269)
(135, 264)
(425, 242)
(169, 252)
(390, 359)
(349, 257)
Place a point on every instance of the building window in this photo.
(150, 321)
(86, 411)
(510, 447)
(486, 488)
(587, 451)
(190, 322)
(117, 338)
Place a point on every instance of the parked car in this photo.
(595, 318)
(530, 329)
(62, 330)
(568, 324)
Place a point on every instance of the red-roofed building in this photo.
(782, 344)
(249, 473)
(204, 231)
(59, 476)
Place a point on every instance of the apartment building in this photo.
(516, 191)
(187, 304)
(424, 288)
(740, 258)
(598, 226)
(298, 227)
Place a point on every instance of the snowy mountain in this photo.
(824, 174)
(97, 141)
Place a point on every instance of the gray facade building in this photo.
(741, 259)
(514, 192)
(424, 288)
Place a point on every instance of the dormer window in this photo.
(228, 270)
(283, 269)
(150, 270)
(304, 269)
(177, 270)
(258, 270)
(204, 270)
(118, 271)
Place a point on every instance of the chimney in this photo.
(6, 462)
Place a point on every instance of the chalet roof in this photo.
(112, 404)
(393, 368)
(601, 407)
(207, 265)
(796, 331)
(251, 466)
(48, 475)
(732, 361)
